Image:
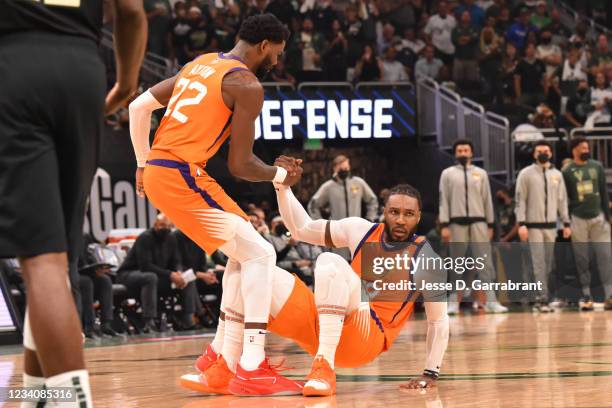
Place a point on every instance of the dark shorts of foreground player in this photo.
(50, 123)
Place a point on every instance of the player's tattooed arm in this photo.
(162, 91)
(243, 93)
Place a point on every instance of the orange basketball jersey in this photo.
(391, 315)
(196, 121)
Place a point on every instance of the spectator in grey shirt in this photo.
(343, 196)
(428, 65)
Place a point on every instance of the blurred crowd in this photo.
(514, 49)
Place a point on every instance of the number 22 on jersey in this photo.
(174, 107)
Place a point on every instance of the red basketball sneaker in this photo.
(321, 380)
(265, 380)
(197, 382)
(206, 360)
(219, 375)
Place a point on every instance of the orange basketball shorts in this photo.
(193, 200)
(298, 320)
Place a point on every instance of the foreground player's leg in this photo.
(337, 293)
(55, 326)
(257, 258)
(265, 380)
(32, 372)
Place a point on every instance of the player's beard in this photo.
(264, 68)
(410, 231)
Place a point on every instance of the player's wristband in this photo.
(281, 175)
(431, 374)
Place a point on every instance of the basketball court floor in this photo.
(521, 359)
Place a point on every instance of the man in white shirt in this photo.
(439, 28)
(549, 53)
(392, 69)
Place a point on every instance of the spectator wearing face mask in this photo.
(201, 37)
(549, 53)
(343, 196)
(541, 198)
(589, 209)
(153, 264)
(467, 218)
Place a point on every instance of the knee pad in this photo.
(248, 245)
(28, 339)
(335, 281)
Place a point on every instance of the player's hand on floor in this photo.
(419, 383)
(139, 183)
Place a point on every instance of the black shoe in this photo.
(182, 325)
(150, 327)
(586, 304)
(89, 332)
(107, 329)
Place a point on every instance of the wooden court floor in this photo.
(516, 360)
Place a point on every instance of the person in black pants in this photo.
(152, 266)
(208, 269)
(52, 103)
(95, 283)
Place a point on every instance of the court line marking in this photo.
(460, 377)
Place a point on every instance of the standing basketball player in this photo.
(52, 106)
(215, 97)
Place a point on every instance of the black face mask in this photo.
(161, 233)
(585, 156)
(546, 40)
(343, 174)
(281, 230)
(501, 201)
(578, 45)
(543, 158)
(582, 92)
(463, 160)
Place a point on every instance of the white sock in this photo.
(232, 343)
(217, 343)
(253, 351)
(78, 380)
(330, 329)
(31, 381)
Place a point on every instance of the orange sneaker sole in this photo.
(194, 382)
